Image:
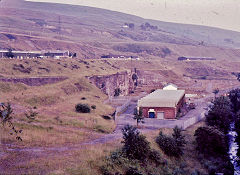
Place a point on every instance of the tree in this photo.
(211, 141)
(213, 145)
(117, 92)
(131, 25)
(216, 91)
(238, 76)
(134, 77)
(138, 116)
(9, 54)
(6, 116)
(220, 114)
(178, 136)
(135, 144)
(234, 96)
(74, 55)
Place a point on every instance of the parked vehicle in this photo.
(192, 105)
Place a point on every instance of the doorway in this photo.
(160, 115)
(151, 114)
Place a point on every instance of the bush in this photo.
(166, 51)
(117, 92)
(135, 145)
(82, 108)
(168, 145)
(172, 146)
(155, 156)
(93, 107)
(106, 117)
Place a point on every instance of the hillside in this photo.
(60, 140)
(92, 32)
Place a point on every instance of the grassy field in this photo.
(58, 125)
(88, 159)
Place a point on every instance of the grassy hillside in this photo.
(57, 120)
(92, 32)
(106, 19)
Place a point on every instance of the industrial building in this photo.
(170, 86)
(188, 58)
(162, 104)
(33, 54)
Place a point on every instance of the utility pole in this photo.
(59, 26)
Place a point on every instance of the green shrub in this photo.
(106, 117)
(172, 146)
(82, 108)
(135, 145)
(168, 145)
(155, 156)
(93, 107)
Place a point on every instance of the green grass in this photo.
(11, 87)
(42, 100)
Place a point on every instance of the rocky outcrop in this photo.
(109, 84)
(34, 81)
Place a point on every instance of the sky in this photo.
(216, 13)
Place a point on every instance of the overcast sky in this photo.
(217, 13)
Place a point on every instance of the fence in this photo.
(122, 108)
(190, 121)
(125, 105)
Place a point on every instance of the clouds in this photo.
(216, 13)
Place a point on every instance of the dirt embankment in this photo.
(34, 81)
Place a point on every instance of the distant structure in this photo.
(170, 86)
(34, 54)
(123, 57)
(162, 104)
(196, 58)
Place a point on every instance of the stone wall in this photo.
(149, 78)
(109, 83)
(34, 81)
